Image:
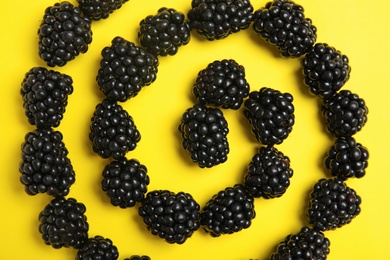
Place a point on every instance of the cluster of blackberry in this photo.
(125, 68)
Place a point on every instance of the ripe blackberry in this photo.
(282, 23)
(163, 33)
(345, 114)
(63, 34)
(204, 134)
(268, 174)
(97, 247)
(229, 211)
(332, 204)
(346, 159)
(222, 84)
(325, 69)
(63, 223)
(45, 167)
(271, 115)
(99, 9)
(217, 19)
(307, 244)
(113, 132)
(45, 96)
(173, 217)
(138, 257)
(124, 69)
(125, 182)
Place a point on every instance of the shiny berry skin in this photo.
(347, 158)
(99, 9)
(163, 33)
(325, 69)
(97, 247)
(138, 257)
(63, 223)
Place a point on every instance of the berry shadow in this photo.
(253, 36)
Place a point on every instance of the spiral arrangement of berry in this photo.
(126, 68)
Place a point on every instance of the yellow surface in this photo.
(357, 28)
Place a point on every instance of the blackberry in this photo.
(325, 70)
(113, 132)
(63, 223)
(346, 159)
(204, 134)
(97, 247)
(163, 33)
(124, 69)
(45, 96)
(282, 23)
(332, 204)
(271, 115)
(45, 167)
(125, 182)
(217, 19)
(99, 9)
(63, 34)
(345, 114)
(268, 174)
(173, 217)
(228, 211)
(138, 257)
(222, 84)
(307, 244)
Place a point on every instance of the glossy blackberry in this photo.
(125, 182)
(63, 34)
(45, 167)
(325, 70)
(162, 34)
(332, 204)
(124, 69)
(138, 257)
(204, 134)
(307, 244)
(217, 19)
(63, 223)
(222, 84)
(113, 132)
(173, 217)
(282, 23)
(270, 114)
(268, 174)
(346, 159)
(345, 113)
(97, 247)
(99, 9)
(228, 211)
(45, 96)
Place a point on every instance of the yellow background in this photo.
(357, 28)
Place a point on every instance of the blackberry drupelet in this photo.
(346, 159)
(268, 174)
(204, 134)
(63, 34)
(125, 182)
(97, 248)
(345, 113)
(217, 19)
(271, 115)
(229, 211)
(45, 167)
(63, 223)
(138, 257)
(45, 96)
(113, 132)
(222, 84)
(124, 69)
(162, 34)
(173, 217)
(99, 9)
(332, 204)
(282, 23)
(325, 70)
(307, 244)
